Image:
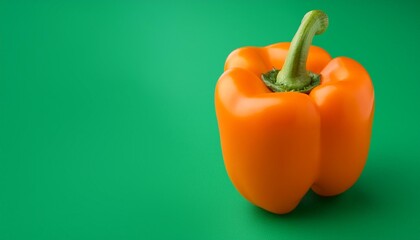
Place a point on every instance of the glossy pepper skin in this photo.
(278, 145)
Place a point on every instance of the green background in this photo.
(108, 128)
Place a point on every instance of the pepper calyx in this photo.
(270, 80)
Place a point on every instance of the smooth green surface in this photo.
(108, 129)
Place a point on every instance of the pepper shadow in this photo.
(382, 204)
(367, 197)
(316, 214)
(315, 206)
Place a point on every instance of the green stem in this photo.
(294, 76)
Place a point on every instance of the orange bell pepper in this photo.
(306, 126)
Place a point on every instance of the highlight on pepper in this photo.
(292, 118)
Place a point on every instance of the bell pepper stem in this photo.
(294, 74)
(294, 77)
